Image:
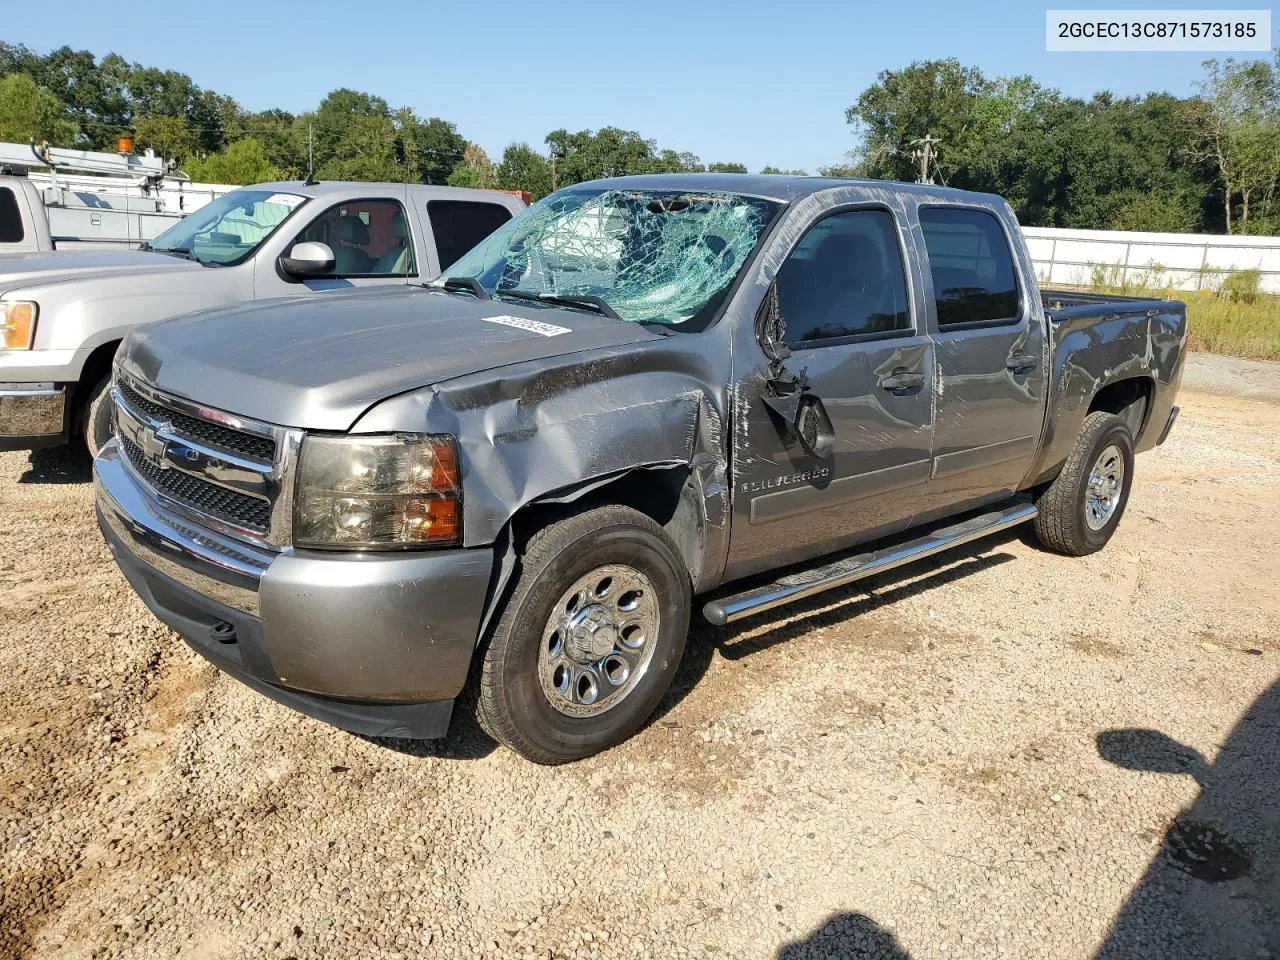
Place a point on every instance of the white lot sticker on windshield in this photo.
(290, 200)
(533, 326)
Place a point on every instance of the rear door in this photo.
(458, 225)
(854, 331)
(990, 354)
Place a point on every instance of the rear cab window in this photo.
(11, 228)
(459, 225)
(974, 280)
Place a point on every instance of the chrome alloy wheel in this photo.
(1106, 482)
(599, 640)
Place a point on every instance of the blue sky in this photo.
(750, 81)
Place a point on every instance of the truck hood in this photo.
(25, 270)
(319, 362)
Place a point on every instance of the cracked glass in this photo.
(648, 256)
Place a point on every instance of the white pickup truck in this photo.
(63, 314)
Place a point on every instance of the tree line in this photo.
(1208, 162)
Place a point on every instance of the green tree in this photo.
(523, 168)
(170, 137)
(726, 167)
(608, 152)
(1232, 127)
(840, 170)
(366, 150)
(243, 162)
(30, 112)
(931, 98)
(669, 161)
(439, 148)
(476, 169)
(775, 171)
(336, 117)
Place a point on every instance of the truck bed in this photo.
(1061, 304)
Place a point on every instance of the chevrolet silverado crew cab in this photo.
(63, 314)
(640, 391)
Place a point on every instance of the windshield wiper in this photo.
(585, 301)
(466, 285)
(180, 251)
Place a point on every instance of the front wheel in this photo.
(97, 416)
(590, 639)
(1081, 509)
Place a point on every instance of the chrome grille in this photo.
(212, 435)
(218, 502)
(224, 472)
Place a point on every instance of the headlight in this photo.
(377, 492)
(18, 324)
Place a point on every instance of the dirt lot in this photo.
(926, 766)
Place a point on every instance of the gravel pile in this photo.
(924, 766)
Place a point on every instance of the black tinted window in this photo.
(845, 278)
(973, 276)
(460, 224)
(11, 230)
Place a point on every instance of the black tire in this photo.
(97, 416)
(511, 705)
(1062, 523)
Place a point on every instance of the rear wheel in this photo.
(590, 639)
(1081, 509)
(97, 416)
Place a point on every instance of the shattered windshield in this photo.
(650, 256)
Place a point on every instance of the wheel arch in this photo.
(674, 495)
(1128, 398)
(96, 366)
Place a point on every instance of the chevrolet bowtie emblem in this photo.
(154, 446)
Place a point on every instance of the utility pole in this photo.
(311, 151)
(924, 153)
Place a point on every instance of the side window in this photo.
(369, 238)
(845, 278)
(973, 276)
(460, 224)
(11, 229)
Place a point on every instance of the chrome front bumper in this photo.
(390, 631)
(32, 411)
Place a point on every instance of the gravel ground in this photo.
(933, 764)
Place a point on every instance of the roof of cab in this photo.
(332, 188)
(771, 186)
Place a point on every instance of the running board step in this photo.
(806, 583)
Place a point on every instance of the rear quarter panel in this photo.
(1094, 345)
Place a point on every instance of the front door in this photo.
(859, 343)
(372, 246)
(989, 342)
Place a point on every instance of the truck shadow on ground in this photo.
(846, 935)
(466, 741)
(70, 464)
(827, 609)
(1213, 890)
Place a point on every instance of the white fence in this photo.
(1184, 261)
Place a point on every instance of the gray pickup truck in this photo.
(640, 391)
(63, 314)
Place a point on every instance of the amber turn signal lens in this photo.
(431, 520)
(19, 325)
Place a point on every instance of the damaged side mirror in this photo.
(788, 397)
